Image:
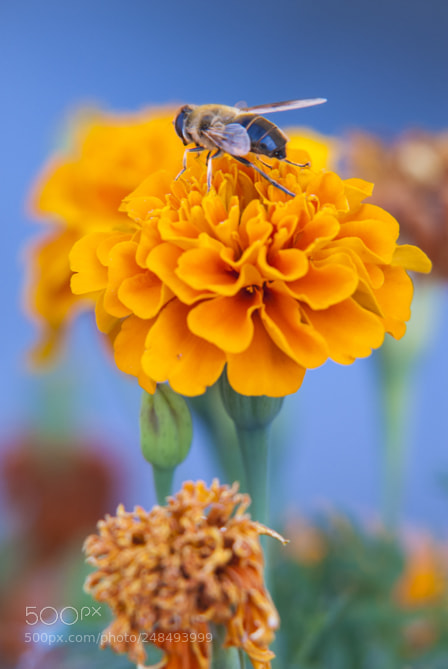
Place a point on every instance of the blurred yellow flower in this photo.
(324, 151)
(80, 190)
(173, 572)
(246, 276)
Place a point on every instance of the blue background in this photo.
(382, 65)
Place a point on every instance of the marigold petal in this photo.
(182, 655)
(122, 264)
(375, 234)
(205, 267)
(226, 321)
(149, 195)
(329, 188)
(412, 258)
(48, 297)
(394, 298)
(356, 190)
(365, 296)
(326, 282)
(318, 231)
(91, 273)
(163, 261)
(148, 239)
(350, 331)
(173, 353)
(144, 294)
(226, 222)
(52, 192)
(287, 264)
(282, 318)
(129, 345)
(105, 322)
(369, 211)
(263, 368)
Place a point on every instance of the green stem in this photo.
(254, 445)
(242, 658)
(397, 365)
(163, 482)
(221, 430)
(222, 658)
(396, 384)
(394, 459)
(252, 416)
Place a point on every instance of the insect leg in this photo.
(263, 163)
(209, 159)
(184, 159)
(246, 162)
(308, 164)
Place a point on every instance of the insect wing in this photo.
(231, 138)
(284, 106)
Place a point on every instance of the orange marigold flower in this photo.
(307, 544)
(425, 577)
(246, 276)
(80, 190)
(174, 571)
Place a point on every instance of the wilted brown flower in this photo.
(170, 573)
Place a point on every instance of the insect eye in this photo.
(179, 121)
(278, 154)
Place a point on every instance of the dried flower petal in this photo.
(173, 571)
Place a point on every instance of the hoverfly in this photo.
(237, 131)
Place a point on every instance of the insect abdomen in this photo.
(265, 138)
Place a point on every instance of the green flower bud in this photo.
(166, 429)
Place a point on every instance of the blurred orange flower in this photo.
(80, 190)
(425, 577)
(307, 544)
(172, 572)
(411, 181)
(246, 276)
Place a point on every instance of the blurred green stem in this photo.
(222, 433)
(254, 446)
(223, 658)
(395, 400)
(163, 482)
(252, 416)
(397, 365)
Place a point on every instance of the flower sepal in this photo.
(248, 412)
